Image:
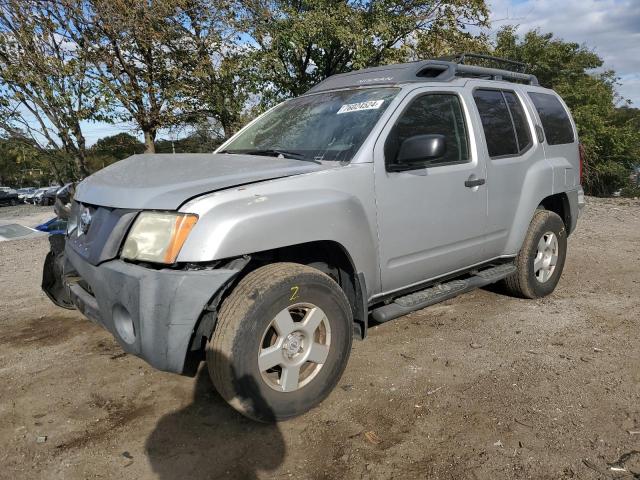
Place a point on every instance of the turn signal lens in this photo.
(181, 229)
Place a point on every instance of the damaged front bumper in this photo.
(151, 313)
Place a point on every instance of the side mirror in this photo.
(420, 148)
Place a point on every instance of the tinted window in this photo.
(523, 133)
(496, 122)
(432, 114)
(554, 118)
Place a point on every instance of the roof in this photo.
(420, 71)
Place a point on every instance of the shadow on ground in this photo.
(210, 440)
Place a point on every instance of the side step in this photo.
(440, 292)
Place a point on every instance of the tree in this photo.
(297, 43)
(201, 138)
(127, 44)
(611, 139)
(21, 163)
(212, 61)
(43, 83)
(119, 146)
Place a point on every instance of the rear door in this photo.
(512, 161)
(432, 217)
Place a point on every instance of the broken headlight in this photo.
(158, 236)
(72, 221)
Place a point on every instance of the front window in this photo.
(431, 114)
(325, 126)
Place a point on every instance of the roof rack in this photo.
(506, 63)
(438, 70)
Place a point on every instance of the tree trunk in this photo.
(149, 141)
(81, 155)
(56, 170)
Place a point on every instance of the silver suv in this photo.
(377, 193)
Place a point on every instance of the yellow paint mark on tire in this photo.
(294, 293)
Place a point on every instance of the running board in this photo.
(440, 292)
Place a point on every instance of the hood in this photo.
(166, 181)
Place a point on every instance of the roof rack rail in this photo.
(507, 63)
(436, 70)
(446, 70)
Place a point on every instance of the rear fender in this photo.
(536, 186)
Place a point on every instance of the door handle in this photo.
(474, 182)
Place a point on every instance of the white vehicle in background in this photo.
(23, 193)
(37, 195)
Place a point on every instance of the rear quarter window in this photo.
(504, 122)
(496, 122)
(554, 117)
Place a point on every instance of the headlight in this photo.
(158, 236)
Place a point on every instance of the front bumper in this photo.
(151, 313)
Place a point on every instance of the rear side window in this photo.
(434, 113)
(554, 117)
(503, 121)
(523, 133)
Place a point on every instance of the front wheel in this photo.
(541, 258)
(281, 343)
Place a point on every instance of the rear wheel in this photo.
(281, 343)
(541, 258)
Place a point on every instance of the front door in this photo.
(431, 213)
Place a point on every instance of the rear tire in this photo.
(541, 259)
(281, 343)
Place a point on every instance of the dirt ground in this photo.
(481, 387)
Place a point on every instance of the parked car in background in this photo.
(49, 196)
(23, 193)
(28, 198)
(8, 196)
(37, 195)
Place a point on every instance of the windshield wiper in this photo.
(274, 152)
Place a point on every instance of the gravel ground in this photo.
(481, 387)
(26, 214)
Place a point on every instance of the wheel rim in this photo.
(546, 259)
(294, 347)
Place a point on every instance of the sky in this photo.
(610, 27)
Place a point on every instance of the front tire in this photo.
(282, 341)
(541, 258)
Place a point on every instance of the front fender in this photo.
(287, 212)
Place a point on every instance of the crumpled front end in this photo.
(152, 311)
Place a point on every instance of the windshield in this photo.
(326, 126)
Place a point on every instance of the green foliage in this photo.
(43, 84)
(110, 149)
(205, 67)
(119, 146)
(22, 164)
(632, 191)
(296, 44)
(610, 135)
